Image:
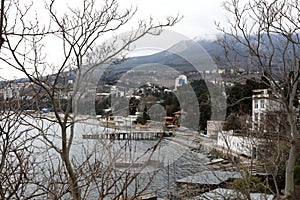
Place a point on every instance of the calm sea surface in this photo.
(170, 159)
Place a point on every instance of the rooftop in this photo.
(222, 193)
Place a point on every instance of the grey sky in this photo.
(198, 15)
(198, 20)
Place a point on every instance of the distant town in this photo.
(242, 136)
(111, 100)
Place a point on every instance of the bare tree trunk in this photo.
(79, 34)
(65, 156)
(291, 162)
(289, 173)
(269, 31)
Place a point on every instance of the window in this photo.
(256, 117)
(255, 103)
(262, 103)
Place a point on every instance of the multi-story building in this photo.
(11, 90)
(264, 102)
(268, 120)
(180, 80)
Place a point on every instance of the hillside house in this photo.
(263, 102)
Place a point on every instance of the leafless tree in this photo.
(79, 32)
(270, 32)
(17, 166)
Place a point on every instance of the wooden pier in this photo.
(127, 135)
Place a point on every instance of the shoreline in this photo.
(188, 139)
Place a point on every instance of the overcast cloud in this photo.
(199, 17)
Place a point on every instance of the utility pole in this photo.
(1, 23)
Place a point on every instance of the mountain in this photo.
(203, 51)
(180, 54)
(178, 57)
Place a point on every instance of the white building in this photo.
(263, 102)
(214, 127)
(116, 92)
(11, 91)
(128, 121)
(180, 80)
(238, 144)
(119, 121)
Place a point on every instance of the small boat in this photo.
(225, 161)
(215, 161)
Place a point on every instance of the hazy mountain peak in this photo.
(182, 46)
